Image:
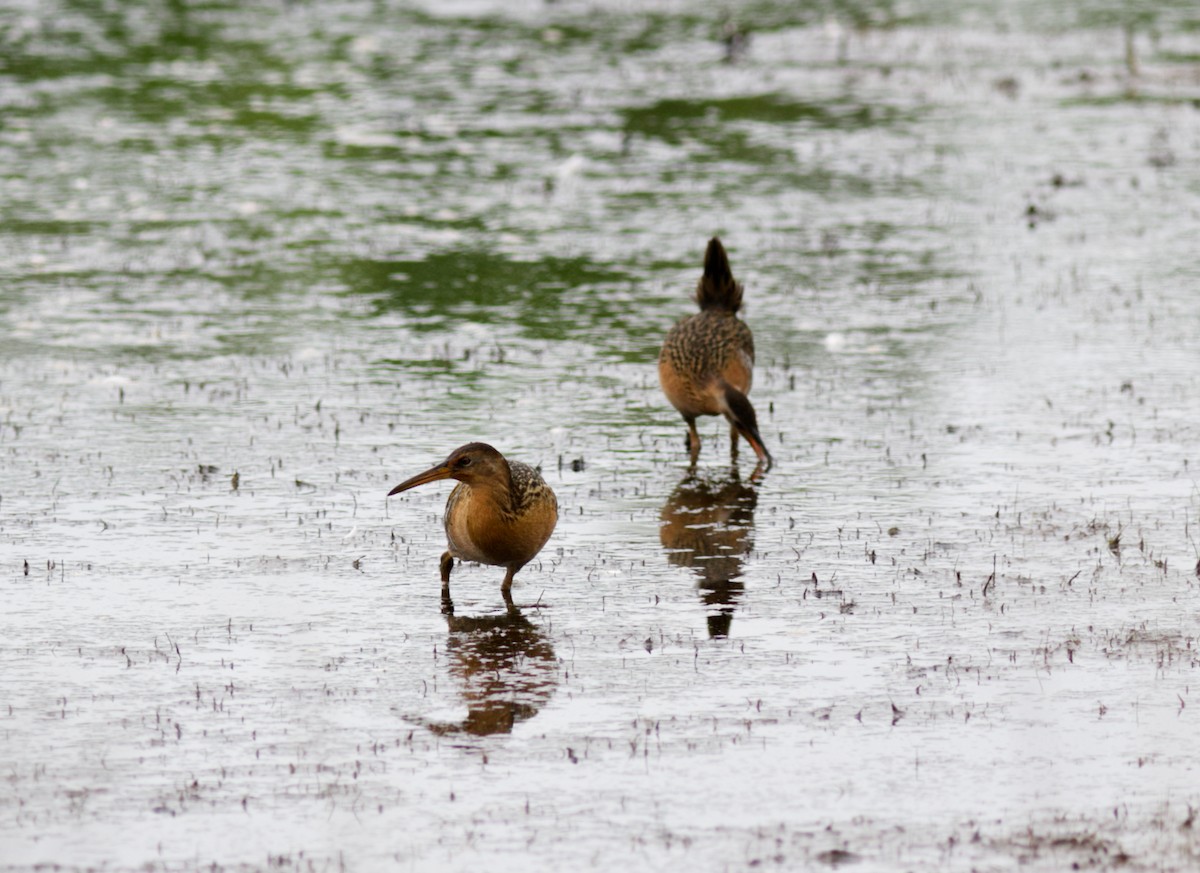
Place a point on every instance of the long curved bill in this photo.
(433, 474)
(764, 457)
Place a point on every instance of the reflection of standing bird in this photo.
(507, 670)
(707, 525)
(706, 362)
(501, 512)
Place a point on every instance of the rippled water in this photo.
(260, 262)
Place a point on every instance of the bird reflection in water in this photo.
(506, 668)
(707, 524)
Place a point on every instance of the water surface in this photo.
(317, 246)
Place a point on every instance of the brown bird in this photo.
(707, 359)
(500, 513)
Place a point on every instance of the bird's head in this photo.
(474, 463)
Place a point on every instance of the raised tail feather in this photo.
(717, 288)
(742, 416)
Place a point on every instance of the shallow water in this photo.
(317, 247)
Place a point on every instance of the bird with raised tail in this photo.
(707, 360)
(501, 512)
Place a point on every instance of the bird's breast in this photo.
(481, 529)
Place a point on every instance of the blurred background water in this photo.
(261, 261)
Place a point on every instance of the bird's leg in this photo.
(446, 565)
(733, 442)
(693, 440)
(506, 586)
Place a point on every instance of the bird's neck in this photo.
(496, 488)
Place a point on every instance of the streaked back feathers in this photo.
(528, 488)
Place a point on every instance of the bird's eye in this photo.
(463, 462)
